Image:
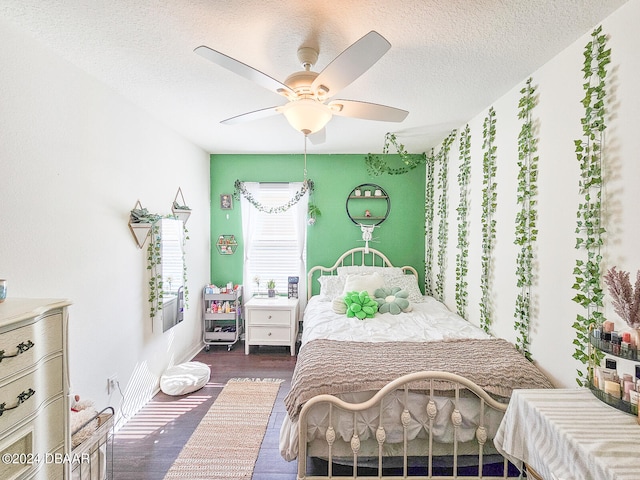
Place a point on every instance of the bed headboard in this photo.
(360, 256)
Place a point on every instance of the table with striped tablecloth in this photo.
(568, 434)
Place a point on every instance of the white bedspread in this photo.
(430, 320)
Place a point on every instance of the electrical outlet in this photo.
(112, 384)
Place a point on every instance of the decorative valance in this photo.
(239, 188)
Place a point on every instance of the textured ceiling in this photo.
(449, 59)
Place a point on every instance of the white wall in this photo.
(558, 120)
(74, 159)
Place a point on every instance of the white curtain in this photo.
(253, 221)
(300, 216)
(249, 222)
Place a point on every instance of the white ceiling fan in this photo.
(308, 109)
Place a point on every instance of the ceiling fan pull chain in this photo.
(305, 157)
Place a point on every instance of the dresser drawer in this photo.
(36, 341)
(45, 382)
(32, 447)
(269, 317)
(263, 335)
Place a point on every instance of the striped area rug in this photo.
(226, 443)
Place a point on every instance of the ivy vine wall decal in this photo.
(376, 165)
(489, 202)
(462, 261)
(429, 195)
(443, 212)
(526, 231)
(589, 229)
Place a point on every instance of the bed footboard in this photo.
(457, 458)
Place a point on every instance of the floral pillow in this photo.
(331, 286)
(392, 300)
(408, 283)
(360, 305)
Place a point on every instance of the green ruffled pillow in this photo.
(392, 300)
(360, 305)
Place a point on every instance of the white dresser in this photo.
(34, 387)
(271, 321)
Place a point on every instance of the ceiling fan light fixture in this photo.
(307, 115)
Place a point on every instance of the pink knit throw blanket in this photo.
(335, 367)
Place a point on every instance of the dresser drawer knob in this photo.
(269, 334)
(20, 348)
(23, 397)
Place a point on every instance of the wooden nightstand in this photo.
(271, 321)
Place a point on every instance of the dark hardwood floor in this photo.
(147, 445)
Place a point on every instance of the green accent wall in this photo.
(400, 237)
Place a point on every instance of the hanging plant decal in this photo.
(443, 211)
(376, 165)
(240, 189)
(464, 174)
(428, 218)
(589, 229)
(489, 197)
(154, 262)
(526, 231)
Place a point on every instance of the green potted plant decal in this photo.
(464, 174)
(589, 229)
(526, 231)
(489, 203)
(313, 212)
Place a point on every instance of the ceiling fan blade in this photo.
(367, 111)
(319, 137)
(351, 63)
(244, 70)
(251, 116)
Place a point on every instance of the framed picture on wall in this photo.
(226, 201)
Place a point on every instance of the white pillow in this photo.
(185, 378)
(363, 281)
(385, 271)
(408, 283)
(339, 306)
(331, 285)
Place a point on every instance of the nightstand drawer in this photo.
(269, 317)
(264, 335)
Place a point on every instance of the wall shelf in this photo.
(226, 244)
(140, 230)
(368, 197)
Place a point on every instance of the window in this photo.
(274, 243)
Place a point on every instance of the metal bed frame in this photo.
(458, 383)
(363, 256)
